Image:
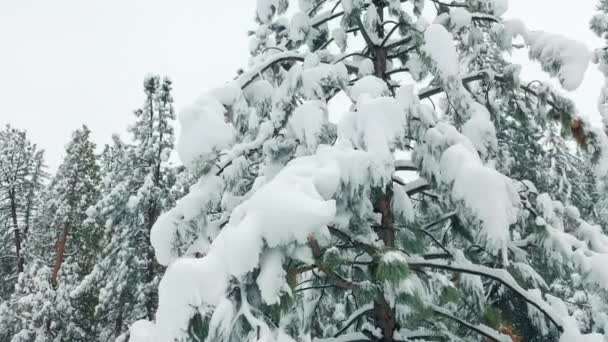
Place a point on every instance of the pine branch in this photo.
(396, 71)
(453, 4)
(247, 78)
(398, 43)
(481, 76)
(405, 165)
(366, 37)
(500, 275)
(478, 328)
(389, 34)
(361, 312)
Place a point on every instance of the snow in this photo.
(593, 235)
(402, 205)
(599, 271)
(300, 27)
(187, 283)
(439, 45)
(203, 195)
(366, 67)
(489, 196)
(499, 7)
(265, 9)
(288, 209)
(313, 79)
(565, 58)
(132, 202)
(307, 121)
(268, 59)
(453, 159)
(340, 37)
(142, 331)
(480, 130)
(573, 56)
(370, 85)
(350, 5)
(375, 125)
(203, 129)
(460, 17)
(271, 279)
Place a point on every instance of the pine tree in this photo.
(60, 251)
(135, 192)
(299, 229)
(21, 178)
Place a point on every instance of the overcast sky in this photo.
(64, 63)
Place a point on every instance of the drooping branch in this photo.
(478, 77)
(500, 275)
(413, 187)
(354, 317)
(478, 328)
(439, 244)
(452, 4)
(248, 77)
(405, 165)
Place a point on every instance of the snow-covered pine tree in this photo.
(300, 229)
(60, 252)
(21, 178)
(135, 192)
(58, 231)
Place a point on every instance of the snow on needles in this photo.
(307, 121)
(294, 205)
(562, 57)
(572, 56)
(485, 193)
(203, 125)
(439, 45)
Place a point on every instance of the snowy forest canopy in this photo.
(380, 171)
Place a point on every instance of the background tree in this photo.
(59, 245)
(21, 176)
(136, 190)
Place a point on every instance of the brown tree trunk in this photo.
(13, 200)
(59, 253)
(384, 315)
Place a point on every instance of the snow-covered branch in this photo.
(248, 77)
(478, 328)
(499, 275)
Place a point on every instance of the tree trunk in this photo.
(59, 253)
(384, 315)
(12, 199)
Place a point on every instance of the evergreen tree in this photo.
(21, 178)
(135, 192)
(60, 252)
(299, 229)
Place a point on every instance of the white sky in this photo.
(68, 62)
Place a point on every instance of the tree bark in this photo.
(13, 200)
(383, 313)
(59, 253)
